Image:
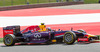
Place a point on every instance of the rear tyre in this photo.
(69, 37)
(9, 40)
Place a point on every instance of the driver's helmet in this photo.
(48, 29)
(42, 23)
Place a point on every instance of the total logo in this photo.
(37, 35)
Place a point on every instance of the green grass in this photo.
(24, 2)
(1, 40)
(99, 37)
(90, 1)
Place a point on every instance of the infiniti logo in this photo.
(37, 35)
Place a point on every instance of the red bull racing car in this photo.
(12, 35)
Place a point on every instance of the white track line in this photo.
(57, 19)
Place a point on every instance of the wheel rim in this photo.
(7, 40)
(68, 37)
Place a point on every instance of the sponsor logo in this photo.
(39, 39)
(8, 31)
(83, 39)
(37, 35)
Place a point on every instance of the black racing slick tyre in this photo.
(81, 31)
(69, 37)
(9, 40)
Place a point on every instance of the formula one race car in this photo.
(12, 35)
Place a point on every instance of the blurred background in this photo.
(28, 2)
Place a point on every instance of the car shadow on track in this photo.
(76, 43)
(31, 45)
(63, 44)
(27, 45)
(23, 45)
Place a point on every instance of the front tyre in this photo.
(69, 37)
(9, 40)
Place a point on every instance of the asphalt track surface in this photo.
(92, 47)
(81, 6)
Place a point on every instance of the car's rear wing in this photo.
(11, 30)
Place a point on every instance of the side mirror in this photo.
(58, 29)
(71, 29)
